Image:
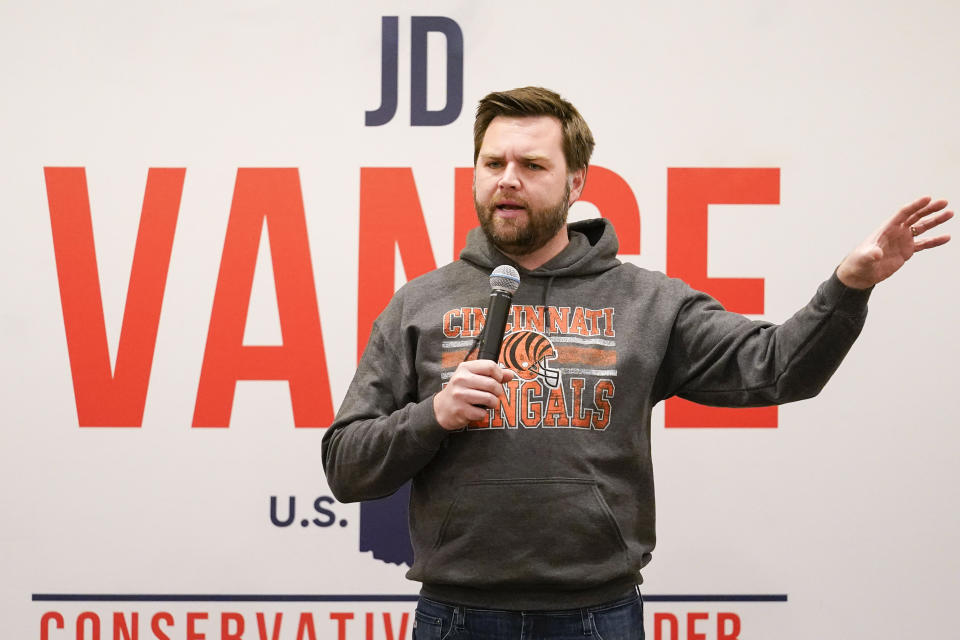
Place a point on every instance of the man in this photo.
(532, 507)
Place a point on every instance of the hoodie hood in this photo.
(592, 249)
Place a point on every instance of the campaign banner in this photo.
(208, 204)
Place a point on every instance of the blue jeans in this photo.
(618, 620)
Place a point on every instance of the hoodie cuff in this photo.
(844, 299)
(426, 430)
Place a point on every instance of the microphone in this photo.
(504, 281)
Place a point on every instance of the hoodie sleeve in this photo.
(719, 358)
(383, 434)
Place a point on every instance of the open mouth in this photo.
(510, 207)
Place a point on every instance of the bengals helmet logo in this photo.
(526, 353)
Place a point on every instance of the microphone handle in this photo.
(496, 322)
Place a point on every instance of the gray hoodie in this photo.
(549, 503)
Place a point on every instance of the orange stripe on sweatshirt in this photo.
(589, 356)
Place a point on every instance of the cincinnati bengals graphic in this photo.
(526, 353)
(564, 358)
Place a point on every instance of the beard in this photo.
(526, 233)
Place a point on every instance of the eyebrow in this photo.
(528, 157)
(533, 157)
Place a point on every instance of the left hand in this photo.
(884, 252)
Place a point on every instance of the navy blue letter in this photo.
(388, 75)
(273, 512)
(419, 115)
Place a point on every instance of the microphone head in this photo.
(505, 278)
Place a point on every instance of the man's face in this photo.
(521, 187)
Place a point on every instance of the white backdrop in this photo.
(849, 507)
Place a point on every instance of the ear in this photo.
(576, 180)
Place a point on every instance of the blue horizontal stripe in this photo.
(177, 597)
(774, 597)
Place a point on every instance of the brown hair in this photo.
(537, 101)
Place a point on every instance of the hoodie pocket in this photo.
(529, 531)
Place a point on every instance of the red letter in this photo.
(692, 619)
(464, 211)
(389, 627)
(120, 626)
(94, 624)
(306, 625)
(155, 624)
(225, 633)
(274, 195)
(390, 215)
(45, 623)
(659, 619)
(105, 398)
(604, 189)
(262, 626)
(341, 619)
(722, 633)
(689, 191)
(615, 200)
(192, 617)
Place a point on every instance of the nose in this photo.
(509, 178)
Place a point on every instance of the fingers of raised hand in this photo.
(922, 225)
(924, 211)
(909, 210)
(928, 218)
(930, 243)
